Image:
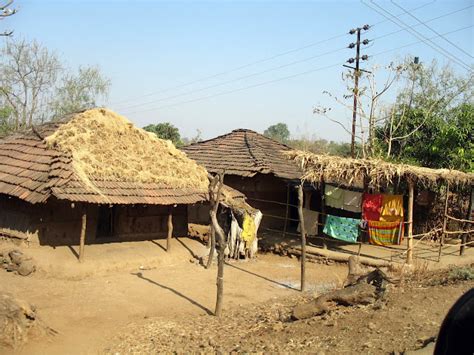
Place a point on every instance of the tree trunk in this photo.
(212, 246)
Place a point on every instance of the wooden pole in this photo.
(303, 237)
(445, 222)
(82, 241)
(464, 235)
(215, 188)
(411, 192)
(170, 229)
(323, 210)
(287, 208)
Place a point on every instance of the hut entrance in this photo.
(105, 223)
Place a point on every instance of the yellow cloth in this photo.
(248, 230)
(334, 196)
(392, 208)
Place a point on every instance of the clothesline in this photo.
(459, 220)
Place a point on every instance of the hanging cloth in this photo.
(371, 206)
(385, 233)
(342, 228)
(334, 196)
(311, 219)
(248, 230)
(352, 201)
(392, 208)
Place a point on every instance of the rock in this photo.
(16, 256)
(26, 268)
(372, 326)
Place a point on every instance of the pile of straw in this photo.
(107, 146)
(317, 168)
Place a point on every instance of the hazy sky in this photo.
(186, 62)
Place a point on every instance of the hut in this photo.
(257, 166)
(93, 177)
(377, 176)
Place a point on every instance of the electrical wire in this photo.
(431, 29)
(417, 34)
(257, 61)
(287, 77)
(127, 107)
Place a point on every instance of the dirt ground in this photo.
(138, 298)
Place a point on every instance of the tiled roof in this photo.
(244, 152)
(34, 172)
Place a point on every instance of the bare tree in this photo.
(6, 11)
(28, 75)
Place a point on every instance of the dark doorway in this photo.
(105, 225)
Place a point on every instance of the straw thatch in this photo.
(97, 156)
(377, 173)
(105, 146)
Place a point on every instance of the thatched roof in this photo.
(245, 153)
(97, 156)
(378, 172)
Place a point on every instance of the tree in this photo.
(431, 121)
(6, 11)
(79, 92)
(28, 74)
(278, 132)
(35, 86)
(165, 130)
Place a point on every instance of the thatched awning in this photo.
(377, 173)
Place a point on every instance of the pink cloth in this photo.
(371, 206)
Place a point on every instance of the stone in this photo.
(26, 268)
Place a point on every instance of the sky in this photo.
(220, 65)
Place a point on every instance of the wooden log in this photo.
(170, 229)
(340, 257)
(445, 222)
(82, 240)
(303, 237)
(411, 192)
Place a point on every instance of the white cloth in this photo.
(352, 201)
(311, 219)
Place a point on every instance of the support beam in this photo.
(170, 229)
(445, 223)
(411, 192)
(464, 235)
(287, 209)
(82, 240)
(303, 237)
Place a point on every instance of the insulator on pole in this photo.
(365, 41)
(364, 57)
(352, 45)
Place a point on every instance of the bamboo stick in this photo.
(411, 192)
(303, 237)
(170, 229)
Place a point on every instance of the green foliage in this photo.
(5, 122)
(165, 130)
(461, 274)
(278, 132)
(432, 121)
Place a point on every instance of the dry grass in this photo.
(378, 172)
(107, 146)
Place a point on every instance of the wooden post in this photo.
(464, 235)
(411, 192)
(287, 208)
(215, 188)
(323, 211)
(303, 236)
(170, 229)
(445, 222)
(82, 241)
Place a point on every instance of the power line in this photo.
(431, 29)
(287, 77)
(417, 34)
(236, 79)
(127, 107)
(257, 62)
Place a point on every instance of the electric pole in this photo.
(357, 71)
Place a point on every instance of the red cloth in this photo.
(371, 206)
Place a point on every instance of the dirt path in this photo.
(89, 311)
(409, 318)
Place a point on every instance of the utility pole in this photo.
(357, 71)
